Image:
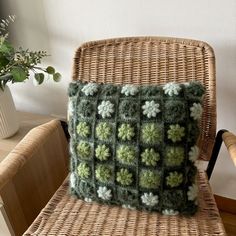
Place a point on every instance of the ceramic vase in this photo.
(9, 123)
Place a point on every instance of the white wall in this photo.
(60, 26)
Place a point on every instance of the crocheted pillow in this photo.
(135, 146)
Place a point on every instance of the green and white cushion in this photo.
(135, 146)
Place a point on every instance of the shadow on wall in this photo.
(47, 98)
(31, 21)
(225, 81)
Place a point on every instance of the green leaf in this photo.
(18, 74)
(39, 77)
(5, 47)
(57, 77)
(3, 61)
(50, 70)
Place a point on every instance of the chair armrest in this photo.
(32, 172)
(230, 142)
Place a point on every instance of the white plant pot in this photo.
(9, 123)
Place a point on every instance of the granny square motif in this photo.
(135, 146)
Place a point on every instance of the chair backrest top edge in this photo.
(160, 39)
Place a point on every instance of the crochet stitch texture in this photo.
(136, 145)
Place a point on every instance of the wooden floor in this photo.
(227, 208)
(229, 221)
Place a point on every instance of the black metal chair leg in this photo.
(215, 152)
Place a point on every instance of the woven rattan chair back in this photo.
(153, 60)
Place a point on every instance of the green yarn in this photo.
(174, 156)
(84, 150)
(126, 154)
(83, 129)
(150, 157)
(191, 173)
(148, 91)
(102, 152)
(109, 90)
(127, 195)
(174, 179)
(85, 108)
(126, 132)
(195, 89)
(103, 131)
(83, 170)
(193, 132)
(73, 89)
(173, 199)
(151, 133)
(176, 133)
(175, 111)
(128, 109)
(149, 179)
(103, 173)
(124, 177)
(131, 158)
(85, 189)
(189, 209)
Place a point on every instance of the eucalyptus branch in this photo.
(39, 68)
(4, 23)
(15, 64)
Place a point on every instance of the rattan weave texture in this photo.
(153, 60)
(140, 60)
(65, 215)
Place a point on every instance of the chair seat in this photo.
(66, 215)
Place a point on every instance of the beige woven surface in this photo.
(65, 215)
(32, 172)
(153, 60)
(230, 142)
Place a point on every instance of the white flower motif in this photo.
(192, 192)
(127, 206)
(104, 193)
(70, 108)
(129, 89)
(149, 199)
(87, 199)
(90, 89)
(170, 212)
(171, 89)
(71, 147)
(105, 109)
(72, 180)
(198, 165)
(196, 111)
(150, 109)
(193, 153)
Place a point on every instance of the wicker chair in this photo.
(142, 60)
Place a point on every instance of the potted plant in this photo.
(15, 66)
